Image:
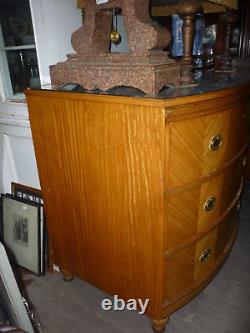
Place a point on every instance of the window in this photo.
(18, 58)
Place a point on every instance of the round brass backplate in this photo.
(215, 142)
(210, 204)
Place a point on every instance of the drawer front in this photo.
(199, 146)
(196, 210)
(186, 268)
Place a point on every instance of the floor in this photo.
(222, 307)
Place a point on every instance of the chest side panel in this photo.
(101, 167)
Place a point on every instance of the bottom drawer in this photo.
(192, 264)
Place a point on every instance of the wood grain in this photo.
(184, 270)
(101, 171)
(185, 213)
(194, 288)
(190, 155)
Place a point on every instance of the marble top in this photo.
(207, 82)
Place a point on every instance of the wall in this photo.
(53, 22)
(16, 148)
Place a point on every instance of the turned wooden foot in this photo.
(159, 325)
(66, 275)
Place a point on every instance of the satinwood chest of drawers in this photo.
(141, 194)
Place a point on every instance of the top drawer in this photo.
(197, 147)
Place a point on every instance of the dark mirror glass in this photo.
(23, 69)
(16, 23)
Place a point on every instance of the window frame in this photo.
(6, 90)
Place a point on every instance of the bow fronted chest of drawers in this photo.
(141, 195)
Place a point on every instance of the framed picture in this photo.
(23, 232)
(12, 308)
(27, 193)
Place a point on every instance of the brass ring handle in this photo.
(205, 255)
(210, 204)
(215, 142)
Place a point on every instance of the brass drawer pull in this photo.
(210, 204)
(205, 255)
(215, 142)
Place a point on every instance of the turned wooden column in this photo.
(187, 10)
(229, 18)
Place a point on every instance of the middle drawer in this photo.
(195, 210)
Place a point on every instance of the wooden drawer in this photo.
(197, 209)
(192, 141)
(188, 267)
